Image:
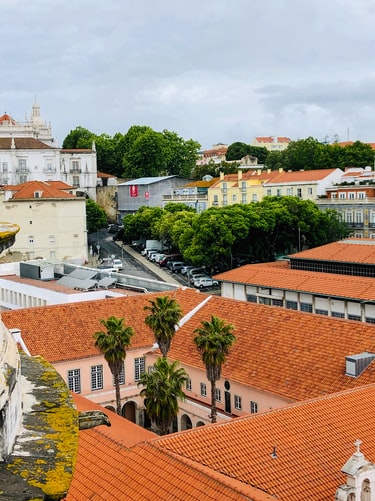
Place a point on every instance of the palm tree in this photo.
(113, 343)
(213, 341)
(163, 319)
(162, 389)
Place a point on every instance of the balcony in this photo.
(75, 170)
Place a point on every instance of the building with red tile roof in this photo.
(52, 220)
(272, 143)
(29, 152)
(280, 356)
(303, 450)
(336, 279)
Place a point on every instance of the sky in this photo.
(216, 71)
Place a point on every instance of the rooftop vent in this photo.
(356, 364)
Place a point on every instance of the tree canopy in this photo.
(259, 231)
(96, 217)
(140, 152)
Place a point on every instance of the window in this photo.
(75, 165)
(354, 317)
(265, 300)
(217, 394)
(342, 195)
(237, 402)
(74, 380)
(31, 240)
(306, 307)
(277, 302)
(203, 389)
(243, 198)
(253, 407)
(254, 197)
(139, 368)
(361, 194)
(96, 377)
(269, 192)
(188, 384)
(349, 217)
(52, 240)
(22, 164)
(243, 185)
(337, 314)
(5, 166)
(299, 192)
(251, 298)
(121, 376)
(75, 181)
(321, 312)
(234, 198)
(216, 200)
(351, 195)
(289, 191)
(278, 192)
(292, 305)
(224, 187)
(358, 217)
(225, 199)
(309, 191)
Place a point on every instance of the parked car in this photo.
(169, 257)
(205, 282)
(117, 263)
(186, 268)
(156, 257)
(175, 266)
(195, 270)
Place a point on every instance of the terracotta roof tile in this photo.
(313, 441)
(302, 176)
(280, 276)
(293, 354)
(121, 463)
(69, 328)
(23, 143)
(347, 251)
(47, 189)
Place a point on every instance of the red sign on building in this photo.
(133, 191)
(147, 195)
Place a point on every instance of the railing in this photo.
(185, 197)
(75, 170)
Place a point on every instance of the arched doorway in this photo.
(186, 422)
(128, 411)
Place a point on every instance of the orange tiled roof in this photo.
(346, 251)
(78, 150)
(270, 139)
(69, 328)
(293, 354)
(302, 176)
(282, 277)
(7, 118)
(48, 189)
(23, 143)
(121, 463)
(313, 441)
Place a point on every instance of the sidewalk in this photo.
(165, 277)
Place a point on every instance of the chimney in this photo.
(239, 174)
(356, 364)
(221, 176)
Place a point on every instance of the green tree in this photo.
(147, 156)
(162, 389)
(96, 217)
(236, 151)
(113, 343)
(165, 313)
(141, 225)
(78, 138)
(181, 155)
(213, 341)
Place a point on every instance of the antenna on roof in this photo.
(274, 453)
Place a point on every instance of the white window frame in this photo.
(74, 380)
(217, 394)
(253, 407)
(188, 384)
(238, 402)
(139, 367)
(203, 387)
(96, 377)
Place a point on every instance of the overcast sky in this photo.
(216, 71)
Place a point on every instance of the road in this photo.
(102, 240)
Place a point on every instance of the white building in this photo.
(29, 152)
